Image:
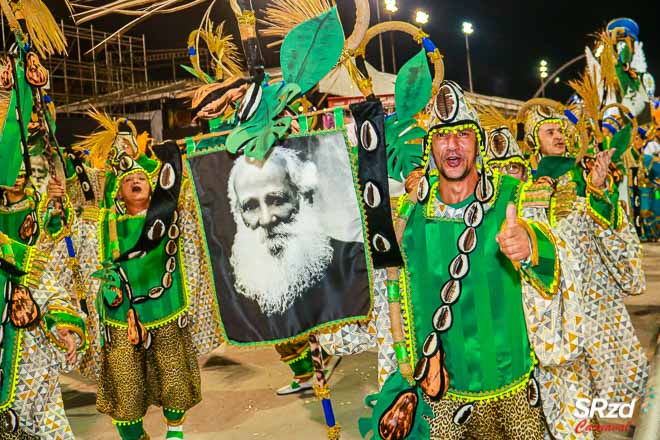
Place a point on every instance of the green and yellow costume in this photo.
(465, 302)
(609, 360)
(154, 313)
(35, 307)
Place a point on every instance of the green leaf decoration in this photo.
(257, 135)
(312, 49)
(207, 79)
(621, 142)
(403, 155)
(412, 90)
(10, 131)
(381, 402)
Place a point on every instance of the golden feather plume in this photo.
(45, 35)
(588, 91)
(224, 52)
(283, 15)
(584, 140)
(491, 118)
(99, 144)
(608, 60)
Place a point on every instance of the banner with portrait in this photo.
(285, 238)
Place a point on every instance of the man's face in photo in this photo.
(266, 200)
(280, 248)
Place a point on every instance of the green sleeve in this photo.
(603, 207)
(62, 318)
(543, 272)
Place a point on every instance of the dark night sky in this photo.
(509, 41)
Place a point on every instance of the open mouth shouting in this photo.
(453, 161)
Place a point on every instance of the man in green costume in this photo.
(155, 309)
(474, 262)
(41, 330)
(582, 203)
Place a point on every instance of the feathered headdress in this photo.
(501, 133)
(491, 118)
(607, 57)
(100, 145)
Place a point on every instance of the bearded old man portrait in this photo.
(291, 239)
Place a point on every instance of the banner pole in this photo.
(322, 389)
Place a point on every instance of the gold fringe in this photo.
(334, 432)
(45, 35)
(588, 91)
(8, 12)
(281, 16)
(99, 144)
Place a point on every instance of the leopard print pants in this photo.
(18, 435)
(132, 378)
(511, 418)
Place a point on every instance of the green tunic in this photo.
(143, 275)
(488, 353)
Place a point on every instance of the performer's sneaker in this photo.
(296, 386)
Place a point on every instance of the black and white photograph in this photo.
(285, 238)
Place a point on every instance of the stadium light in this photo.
(421, 17)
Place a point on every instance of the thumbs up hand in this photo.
(513, 238)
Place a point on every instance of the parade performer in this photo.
(155, 308)
(582, 204)
(42, 333)
(503, 153)
(650, 181)
(467, 338)
(619, 69)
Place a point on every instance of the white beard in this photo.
(275, 282)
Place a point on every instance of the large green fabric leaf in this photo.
(10, 134)
(621, 141)
(257, 135)
(382, 401)
(412, 90)
(312, 49)
(403, 155)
